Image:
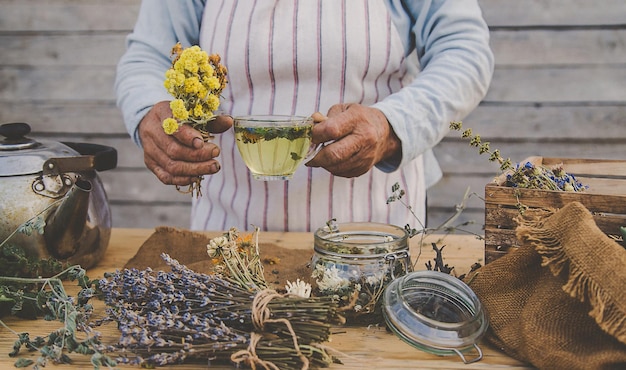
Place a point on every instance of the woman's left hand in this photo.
(361, 137)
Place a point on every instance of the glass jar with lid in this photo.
(437, 313)
(354, 262)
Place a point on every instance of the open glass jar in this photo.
(437, 313)
(354, 262)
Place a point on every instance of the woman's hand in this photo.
(362, 137)
(180, 158)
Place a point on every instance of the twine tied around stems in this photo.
(250, 357)
(260, 316)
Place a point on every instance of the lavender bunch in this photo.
(172, 317)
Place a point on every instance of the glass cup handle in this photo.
(316, 149)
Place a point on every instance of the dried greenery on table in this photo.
(47, 298)
(230, 315)
(196, 81)
(176, 316)
(32, 287)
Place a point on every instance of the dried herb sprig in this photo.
(523, 175)
(17, 262)
(181, 315)
(483, 147)
(448, 226)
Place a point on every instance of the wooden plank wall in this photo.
(559, 89)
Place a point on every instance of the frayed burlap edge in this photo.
(547, 236)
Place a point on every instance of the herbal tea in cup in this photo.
(273, 146)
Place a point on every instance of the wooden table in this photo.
(357, 347)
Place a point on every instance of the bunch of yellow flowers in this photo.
(196, 81)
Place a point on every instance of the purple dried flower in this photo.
(190, 315)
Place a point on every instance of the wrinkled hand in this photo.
(362, 137)
(180, 158)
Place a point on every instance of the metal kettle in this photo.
(52, 202)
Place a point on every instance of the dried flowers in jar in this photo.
(353, 263)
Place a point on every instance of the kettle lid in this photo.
(20, 155)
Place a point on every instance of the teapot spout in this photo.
(65, 224)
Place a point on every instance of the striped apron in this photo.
(296, 58)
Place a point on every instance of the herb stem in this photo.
(19, 228)
(8, 328)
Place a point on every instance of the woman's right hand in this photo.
(178, 159)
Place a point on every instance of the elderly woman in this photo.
(389, 75)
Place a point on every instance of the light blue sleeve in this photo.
(451, 40)
(141, 70)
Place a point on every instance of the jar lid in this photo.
(435, 312)
(360, 240)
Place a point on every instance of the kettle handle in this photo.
(104, 157)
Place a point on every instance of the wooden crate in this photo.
(605, 198)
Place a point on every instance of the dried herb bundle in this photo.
(34, 297)
(171, 317)
(523, 175)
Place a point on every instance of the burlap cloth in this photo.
(189, 248)
(558, 301)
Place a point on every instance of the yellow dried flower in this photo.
(213, 102)
(196, 81)
(197, 111)
(206, 69)
(170, 126)
(191, 86)
(179, 110)
(213, 83)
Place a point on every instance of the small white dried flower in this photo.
(375, 279)
(216, 246)
(299, 288)
(318, 272)
(330, 278)
(358, 308)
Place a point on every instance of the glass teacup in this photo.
(273, 146)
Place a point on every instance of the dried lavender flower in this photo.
(181, 315)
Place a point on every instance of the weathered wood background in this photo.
(559, 90)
